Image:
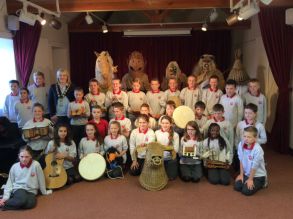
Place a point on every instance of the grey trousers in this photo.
(242, 186)
(21, 199)
(191, 172)
(219, 176)
(171, 167)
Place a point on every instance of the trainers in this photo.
(266, 184)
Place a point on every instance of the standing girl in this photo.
(168, 137)
(190, 164)
(25, 179)
(219, 150)
(66, 149)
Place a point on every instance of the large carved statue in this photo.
(136, 65)
(205, 68)
(173, 71)
(104, 70)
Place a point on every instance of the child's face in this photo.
(166, 125)
(230, 90)
(62, 77)
(114, 129)
(116, 85)
(199, 111)
(213, 83)
(96, 113)
(191, 131)
(249, 114)
(136, 86)
(218, 115)
(144, 111)
(62, 132)
(24, 157)
(191, 82)
(23, 95)
(253, 88)
(39, 80)
(14, 87)
(118, 112)
(38, 112)
(155, 85)
(249, 138)
(215, 132)
(94, 87)
(169, 110)
(142, 124)
(90, 131)
(172, 84)
(78, 95)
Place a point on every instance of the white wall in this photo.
(256, 64)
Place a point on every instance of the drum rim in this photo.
(101, 158)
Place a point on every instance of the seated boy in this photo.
(145, 110)
(200, 117)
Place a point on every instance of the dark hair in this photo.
(253, 80)
(97, 107)
(26, 148)
(155, 79)
(68, 138)
(222, 142)
(171, 103)
(145, 105)
(171, 131)
(231, 82)
(14, 82)
(218, 108)
(214, 77)
(97, 133)
(251, 106)
(200, 104)
(94, 80)
(194, 125)
(144, 117)
(24, 88)
(251, 129)
(38, 105)
(118, 105)
(78, 89)
(116, 123)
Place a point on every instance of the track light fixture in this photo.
(213, 15)
(88, 18)
(54, 23)
(104, 28)
(232, 19)
(204, 27)
(41, 20)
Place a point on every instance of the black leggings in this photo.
(21, 199)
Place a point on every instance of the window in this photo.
(7, 68)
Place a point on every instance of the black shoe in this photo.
(195, 180)
(185, 178)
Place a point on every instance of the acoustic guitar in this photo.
(55, 174)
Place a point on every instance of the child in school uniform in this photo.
(90, 143)
(190, 165)
(115, 95)
(200, 117)
(253, 174)
(65, 147)
(140, 136)
(173, 92)
(145, 109)
(117, 141)
(95, 97)
(39, 142)
(191, 94)
(226, 127)
(168, 137)
(211, 95)
(135, 99)
(256, 97)
(23, 108)
(78, 112)
(39, 92)
(101, 124)
(125, 123)
(156, 99)
(220, 146)
(10, 101)
(232, 103)
(25, 179)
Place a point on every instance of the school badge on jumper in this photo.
(250, 157)
(33, 174)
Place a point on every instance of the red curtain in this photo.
(158, 51)
(25, 44)
(277, 38)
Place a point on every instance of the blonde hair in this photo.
(59, 71)
(38, 73)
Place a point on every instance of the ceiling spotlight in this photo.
(104, 28)
(41, 20)
(27, 17)
(266, 2)
(214, 15)
(204, 27)
(55, 23)
(88, 18)
(232, 19)
(248, 11)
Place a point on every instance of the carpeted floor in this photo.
(126, 199)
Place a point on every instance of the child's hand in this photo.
(2, 202)
(60, 155)
(134, 165)
(54, 119)
(250, 184)
(35, 138)
(239, 177)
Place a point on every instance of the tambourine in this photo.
(92, 166)
(182, 115)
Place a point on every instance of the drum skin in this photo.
(182, 115)
(92, 166)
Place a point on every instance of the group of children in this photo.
(228, 126)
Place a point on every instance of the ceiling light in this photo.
(214, 15)
(248, 11)
(266, 2)
(204, 27)
(27, 17)
(41, 20)
(55, 23)
(104, 28)
(88, 18)
(232, 19)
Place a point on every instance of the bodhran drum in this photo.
(92, 166)
(176, 100)
(182, 115)
(42, 131)
(29, 132)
